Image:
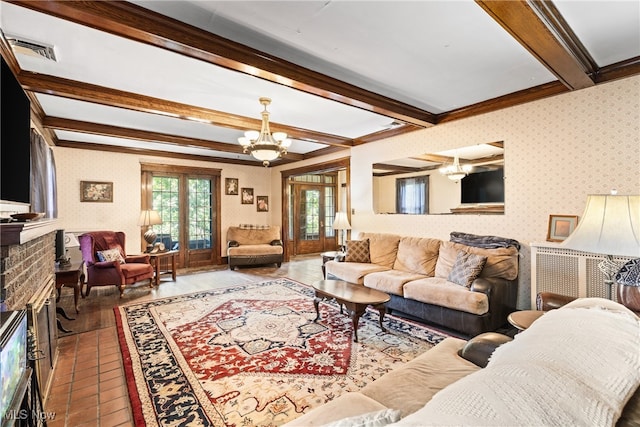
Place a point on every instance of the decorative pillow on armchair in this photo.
(110, 255)
(466, 268)
(358, 251)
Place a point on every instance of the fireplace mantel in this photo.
(18, 233)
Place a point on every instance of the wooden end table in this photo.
(71, 275)
(168, 261)
(521, 320)
(355, 298)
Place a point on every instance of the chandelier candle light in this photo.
(455, 172)
(610, 225)
(263, 145)
(148, 218)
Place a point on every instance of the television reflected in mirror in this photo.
(463, 180)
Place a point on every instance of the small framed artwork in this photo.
(247, 196)
(94, 191)
(262, 203)
(560, 226)
(231, 186)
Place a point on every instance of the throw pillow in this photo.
(466, 268)
(110, 255)
(370, 419)
(358, 251)
(629, 274)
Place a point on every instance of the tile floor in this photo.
(88, 386)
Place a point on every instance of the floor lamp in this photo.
(610, 225)
(342, 223)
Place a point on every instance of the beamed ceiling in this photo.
(182, 79)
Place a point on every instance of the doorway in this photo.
(311, 197)
(187, 202)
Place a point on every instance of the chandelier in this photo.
(263, 145)
(455, 172)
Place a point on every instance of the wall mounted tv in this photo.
(483, 187)
(15, 145)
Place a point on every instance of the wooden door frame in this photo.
(146, 172)
(330, 166)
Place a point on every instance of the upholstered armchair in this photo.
(107, 264)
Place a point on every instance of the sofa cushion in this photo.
(501, 262)
(577, 365)
(417, 255)
(252, 236)
(413, 384)
(383, 248)
(390, 281)
(357, 251)
(439, 291)
(249, 250)
(466, 268)
(110, 255)
(347, 405)
(352, 272)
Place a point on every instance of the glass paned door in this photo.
(309, 219)
(166, 200)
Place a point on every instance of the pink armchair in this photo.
(134, 269)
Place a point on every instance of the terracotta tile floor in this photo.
(88, 386)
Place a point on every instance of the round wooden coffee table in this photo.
(521, 320)
(355, 298)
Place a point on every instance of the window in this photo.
(412, 195)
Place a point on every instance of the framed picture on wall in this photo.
(262, 203)
(560, 226)
(231, 186)
(95, 191)
(247, 196)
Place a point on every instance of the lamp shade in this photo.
(149, 217)
(610, 225)
(341, 222)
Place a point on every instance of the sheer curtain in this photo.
(412, 195)
(44, 196)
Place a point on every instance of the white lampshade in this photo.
(610, 225)
(71, 241)
(341, 222)
(149, 217)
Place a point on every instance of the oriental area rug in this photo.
(252, 355)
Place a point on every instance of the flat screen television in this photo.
(483, 187)
(13, 358)
(15, 136)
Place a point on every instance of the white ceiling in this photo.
(434, 57)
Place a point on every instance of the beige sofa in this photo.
(254, 245)
(578, 365)
(415, 272)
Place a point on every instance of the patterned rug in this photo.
(252, 355)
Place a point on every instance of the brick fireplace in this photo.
(27, 271)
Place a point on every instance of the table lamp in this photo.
(610, 225)
(342, 223)
(148, 218)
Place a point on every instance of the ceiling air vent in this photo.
(31, 48)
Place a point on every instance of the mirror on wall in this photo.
(464, 180)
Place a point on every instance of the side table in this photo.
(71, 275)
(521, 320)
(164, 263)
(328, 256)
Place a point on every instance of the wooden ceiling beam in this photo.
(137, 23)
(543, 39)
(57, 86)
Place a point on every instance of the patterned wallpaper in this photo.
(557, 151)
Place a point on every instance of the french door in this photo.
(187, 201)
(313, 214)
